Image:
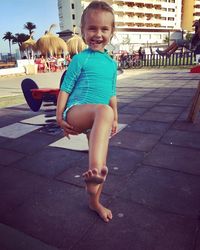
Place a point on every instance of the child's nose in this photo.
(98, 33)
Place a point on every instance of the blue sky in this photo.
(15, 13)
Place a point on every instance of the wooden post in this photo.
(195, 108)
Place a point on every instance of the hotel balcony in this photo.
(130, 22)
(135, 1)
(196, 14)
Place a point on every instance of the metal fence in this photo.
(175, 59)
(155, 60)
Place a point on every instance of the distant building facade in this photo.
(191, 12)
(139, 22)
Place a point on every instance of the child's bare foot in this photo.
(102, 211)
(93, 179)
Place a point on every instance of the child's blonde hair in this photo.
(97, 5)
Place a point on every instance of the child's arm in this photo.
(113, 105)
(61, 105)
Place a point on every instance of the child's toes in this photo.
(110, 215)
(94, 171)
(104, 171)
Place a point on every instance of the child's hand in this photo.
(114, 128)
(67, 129)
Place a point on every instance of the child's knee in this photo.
(106, 112)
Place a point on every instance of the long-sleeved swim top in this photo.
(90, 78)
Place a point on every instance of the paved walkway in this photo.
(153, 187)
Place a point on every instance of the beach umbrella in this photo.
(29, 46)
(51, 44)
(75, 44)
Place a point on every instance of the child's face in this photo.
(98, 29)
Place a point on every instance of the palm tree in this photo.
(30, 27)
(8, 36)
(19, 38)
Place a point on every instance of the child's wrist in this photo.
(59, 121)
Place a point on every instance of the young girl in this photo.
(87, 101)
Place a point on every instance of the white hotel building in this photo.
(138, 22)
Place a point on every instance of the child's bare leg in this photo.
(92, 177)
(95, 205)
(99, 118)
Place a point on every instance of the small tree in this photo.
(19, 38)
(8, 36)
(30, 27)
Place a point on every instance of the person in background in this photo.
(194, 43)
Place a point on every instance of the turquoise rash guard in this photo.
(90, 79)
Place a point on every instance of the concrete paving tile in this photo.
(137, 227)
(157, 94)
(182, 138)
(7, 120)
(17, 113)
(73, 176)
(20, 240)
(38, 142)
(141, 104)
(148, 98)
(135, 140)
(112, 185)
(49, 162)
(133, 110)
(175, 158)
(167, 109)
(184, 92)
(121, 105)
(122, 161)
(187, 126)
(59, 216)
(125, 100)
(159, 116)
(15, 187)
(151, 127)
(164, 189)
(3, 140)
(166, 91)
(9, 157)
(176, 101)
(124, 118)
(12, 111)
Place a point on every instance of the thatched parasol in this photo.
(75, 44)
(51, 44)
(28, 44)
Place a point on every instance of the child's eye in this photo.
(106, 29)
(91, 28)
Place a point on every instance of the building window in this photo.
(73, 16)
(72, 5)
